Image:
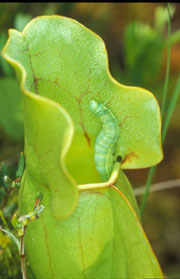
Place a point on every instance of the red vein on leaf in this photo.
(33, 72)
(81, 120)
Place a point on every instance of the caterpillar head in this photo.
(93, 106)
(97, 108)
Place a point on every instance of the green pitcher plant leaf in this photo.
(68, 63)
(134, 263)
(49, 131)
(62, 66)
(48, 134)
(101, 239)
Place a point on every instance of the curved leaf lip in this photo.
(124, 164)
(49, 101)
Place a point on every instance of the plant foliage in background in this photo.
(143, 65)
(11, 117)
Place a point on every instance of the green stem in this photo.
(175, 37)
(164, 96)
(164, 133)
(153, 169)
(22, 254)
(147, 188)
(171, 110)
(3, 219)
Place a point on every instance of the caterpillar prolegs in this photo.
(106, 140)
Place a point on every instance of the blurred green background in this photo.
(135, 35)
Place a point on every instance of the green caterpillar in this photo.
(105, 143)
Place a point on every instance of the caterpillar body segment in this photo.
(105, 143)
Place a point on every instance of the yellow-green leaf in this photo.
(67, 63)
